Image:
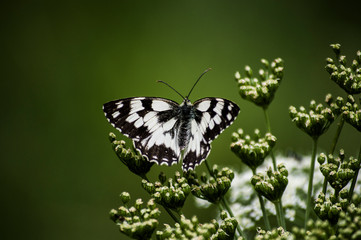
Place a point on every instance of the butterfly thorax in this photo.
(187, 114)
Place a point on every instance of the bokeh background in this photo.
(62, 60)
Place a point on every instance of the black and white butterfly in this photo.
(164, 131)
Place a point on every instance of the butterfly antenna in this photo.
(172, 88)
(198, 81)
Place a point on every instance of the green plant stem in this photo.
(263, 208)
(333, 147)
(280, 214)
(280, 217)
(269, 130)
(354, 180)
(310, 181)
(225, 204)
(167, 209)
(338, 132)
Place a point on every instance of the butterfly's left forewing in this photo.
(212, 116)
(151, 123)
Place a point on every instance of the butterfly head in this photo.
(186, 102)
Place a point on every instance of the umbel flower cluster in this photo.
(274, 196)
(261, 90)
(137, 221)
(170, 193)
(252, 152)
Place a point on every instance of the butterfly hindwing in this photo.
(150, 122)
(212, 116)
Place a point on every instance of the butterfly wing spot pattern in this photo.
(161, 128)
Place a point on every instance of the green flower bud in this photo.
(237, 76)
(342, 60)
(336, 47)
(204, 177)
(138, 204)
(265, 63)
(125, 197)
(162, 177)
(114, 216)
(248, 71)
(224, 215)
(354, 65)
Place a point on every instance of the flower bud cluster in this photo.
(315, 230)
(170, 193)
(338, 171)
(330, 208)
(336, 105)
(273, 184)
(226, 230)
(275, 234)
(212, 188)
(352, 113)
(252, 152)
(261, 90)
(137, 222)
(192, 229)
(132, 159)
(348, 78)
(349, 226)
(315, 122)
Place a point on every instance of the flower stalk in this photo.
(354, 180)
(268, 123)
(310, 181)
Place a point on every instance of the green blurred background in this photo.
(62, 60)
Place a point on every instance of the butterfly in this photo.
(164, 131)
